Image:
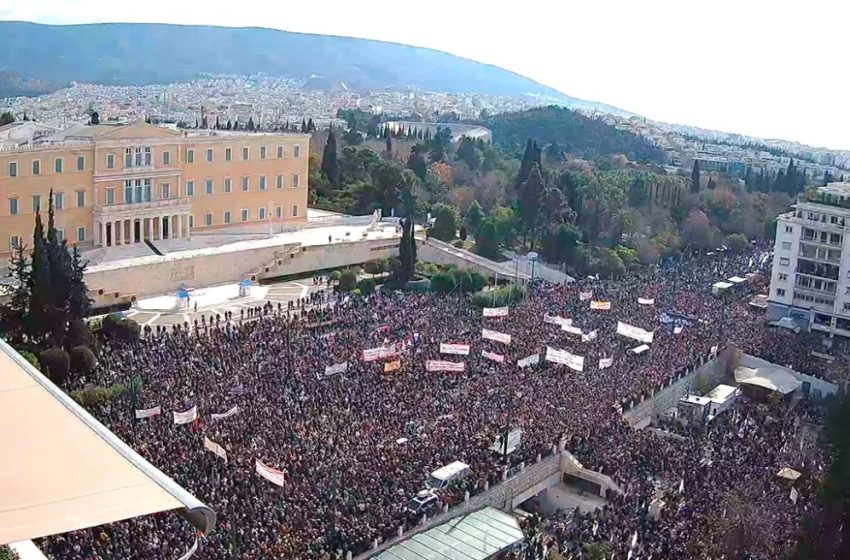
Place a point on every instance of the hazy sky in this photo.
(776, 69)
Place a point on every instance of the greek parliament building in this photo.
(810, 281)
(122, 184)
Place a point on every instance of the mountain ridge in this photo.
(36, 58)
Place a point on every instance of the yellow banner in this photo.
(392, 366)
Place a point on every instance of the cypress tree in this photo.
(310, 126)
(330, 168)
(303, 126)
(695, 176)
(39, 282)
(525, 165)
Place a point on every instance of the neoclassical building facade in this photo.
(122, 184)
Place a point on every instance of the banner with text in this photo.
(529, 361)
(456, 349)
(600, 305)
(493, 356)
(584, 296)
(392, 366)
(646, 301)
(210, 445)
(330, 371)
(227, 414)
(496, 311)
(555, 320)
(563, 357)
(186, 417)
(272, 475)
(379, 353)
(605, 363)
(148, 412)
(496, 335)
(441, 365)
(569, 329)
(634, 332)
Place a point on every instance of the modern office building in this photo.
(121, 184)
(810, 282)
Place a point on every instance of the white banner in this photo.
(210, 445)
(584, 296)
(186, 417)
(456, 349)
(496, 335)
(440, 365)
(793, 495)
(677, 329)
(600, 305)
(496, 311)
(555, 320)
(191, 552)
(330, 371)
(227, 414)
(634, 332)
(639, 349)
(148, 412)
(563, 357)
(379, 353)
(493, 356)
(713, 352)
(589, 336)
(605, 363)
(569, 329)
(646, 301)
(534, 359)
(272, 475)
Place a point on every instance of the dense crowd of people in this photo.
(356, 445)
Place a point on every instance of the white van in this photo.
(448, 475)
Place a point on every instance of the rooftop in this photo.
(476, 536)
(68, 471)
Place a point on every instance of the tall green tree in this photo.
(39, 283)
(330, 167)
(468, 153)
(474, 216)
(445, 223)
(695, 177)
(6, 118)
(487, 239)
(529, 200)
(407, 246)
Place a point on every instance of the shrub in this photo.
(418, 286)
(486, 239)
(459, 243)
(92, 396)
(442, 283)
(736, 242)
(7, 553)
(462, 233)
(499, 297)
(373, 267)
(366, 286)
(56, 364)
(30, 357)
(335, 276)
(347, 281)
(80, 334)
(116, 326)
(478, 281)
(83, 360)
(463, 280)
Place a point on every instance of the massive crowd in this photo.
(356, 445)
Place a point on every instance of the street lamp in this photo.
(532, 258)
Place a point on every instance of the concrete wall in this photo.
(161, 275)
(439, 252)
(709, 374)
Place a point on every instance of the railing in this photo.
(147, 205)
(46, 146)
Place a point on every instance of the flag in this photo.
(605, 363)
(584, 296)
(677, 329)
(681, 486)
(589, 336)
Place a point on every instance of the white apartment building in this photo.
(810, 281)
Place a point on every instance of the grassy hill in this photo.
(571, 131)
(37, 57)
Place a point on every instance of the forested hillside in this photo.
(566, 131)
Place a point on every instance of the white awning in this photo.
(64, 471)
(774, 378)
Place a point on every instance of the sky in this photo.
(771, 69)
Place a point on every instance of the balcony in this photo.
(157, 206)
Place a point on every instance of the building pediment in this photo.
(138, 130)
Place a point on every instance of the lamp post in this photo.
(532, 258)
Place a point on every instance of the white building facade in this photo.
(810, 281)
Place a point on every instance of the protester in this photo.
(356, 445)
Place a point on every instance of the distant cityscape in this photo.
(274, 102)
